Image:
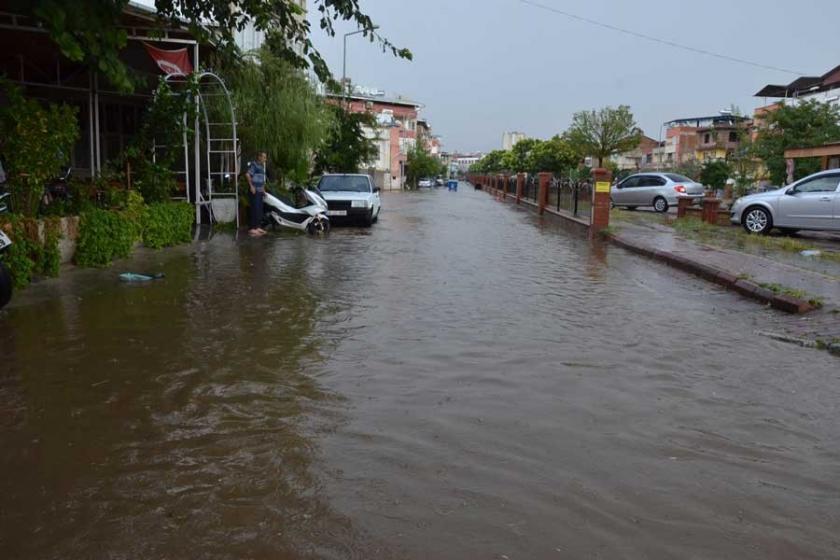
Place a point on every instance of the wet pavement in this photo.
(462, 380)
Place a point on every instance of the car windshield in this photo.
(678, 178)
(344, 183)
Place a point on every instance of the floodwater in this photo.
(461, 381)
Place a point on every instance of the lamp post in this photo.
(344, 65)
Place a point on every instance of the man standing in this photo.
(256, 182)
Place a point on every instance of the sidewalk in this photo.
(788, 282)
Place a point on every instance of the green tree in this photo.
(555, 156)
(420, 163)
(88, 30)
(806, 125)
(519, 157)
(347, 146)
(715, 173)
(37, 142)
(492, 162)
(278, 111)
(603, 133)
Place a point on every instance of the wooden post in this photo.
(710, 210)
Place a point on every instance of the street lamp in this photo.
(344, 66)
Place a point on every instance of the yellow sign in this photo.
(602, 186)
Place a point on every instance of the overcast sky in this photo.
(482, 67)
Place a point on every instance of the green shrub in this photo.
(29, 256)
(50, 255)
(104, 235)
(155, 182)
(167, 223)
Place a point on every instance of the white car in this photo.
(351, 197)
(425, 183)
(810, 203)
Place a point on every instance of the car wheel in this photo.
(5, 285)
(376, 218)
(660, 204)
(367, 221)
(757, 220)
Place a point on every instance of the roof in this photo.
(803, 84)
(384, 100)
(715, 119)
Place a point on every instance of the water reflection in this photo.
(163, 419)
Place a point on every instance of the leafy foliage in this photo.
(604, 132)
(421, 163)
(554, 156)
(166, 224)
(347, 147)
(37, 144)
(715, 173)
(279, 112)
(492, 162)
(31, 252)
(88, 30)
(806, 125)
(104, 235)
(530, 155)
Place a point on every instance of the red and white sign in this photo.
(171, 63)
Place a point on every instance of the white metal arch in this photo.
(220, 169)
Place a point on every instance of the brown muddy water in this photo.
(460, 381)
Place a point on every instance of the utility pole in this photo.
(344, 64)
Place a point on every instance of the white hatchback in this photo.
(351, 197)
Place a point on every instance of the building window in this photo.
(707, 138)
(733, 136)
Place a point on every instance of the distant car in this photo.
(425, 183)
(351, 196)
(810, 203)
(660, 190)
(439, 182)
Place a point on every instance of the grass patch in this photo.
(778, 289)
(735, 237)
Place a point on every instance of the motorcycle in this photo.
(5, 275)
(56, 190)
(311, 217)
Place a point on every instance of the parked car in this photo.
(425, 183)
(660, 190)
(351, 196)
(810, 203)
(439, 182)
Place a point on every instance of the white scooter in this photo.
(5, 275)
(311, 218)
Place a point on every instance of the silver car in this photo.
(810, 203)
(660, 190)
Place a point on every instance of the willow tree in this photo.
(279, 112)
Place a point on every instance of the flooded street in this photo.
(462, 380)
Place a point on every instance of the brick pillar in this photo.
(682, 206)
(505, 179)
(520, 187)
(542, 194)
(600, 218)
(710, 210)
